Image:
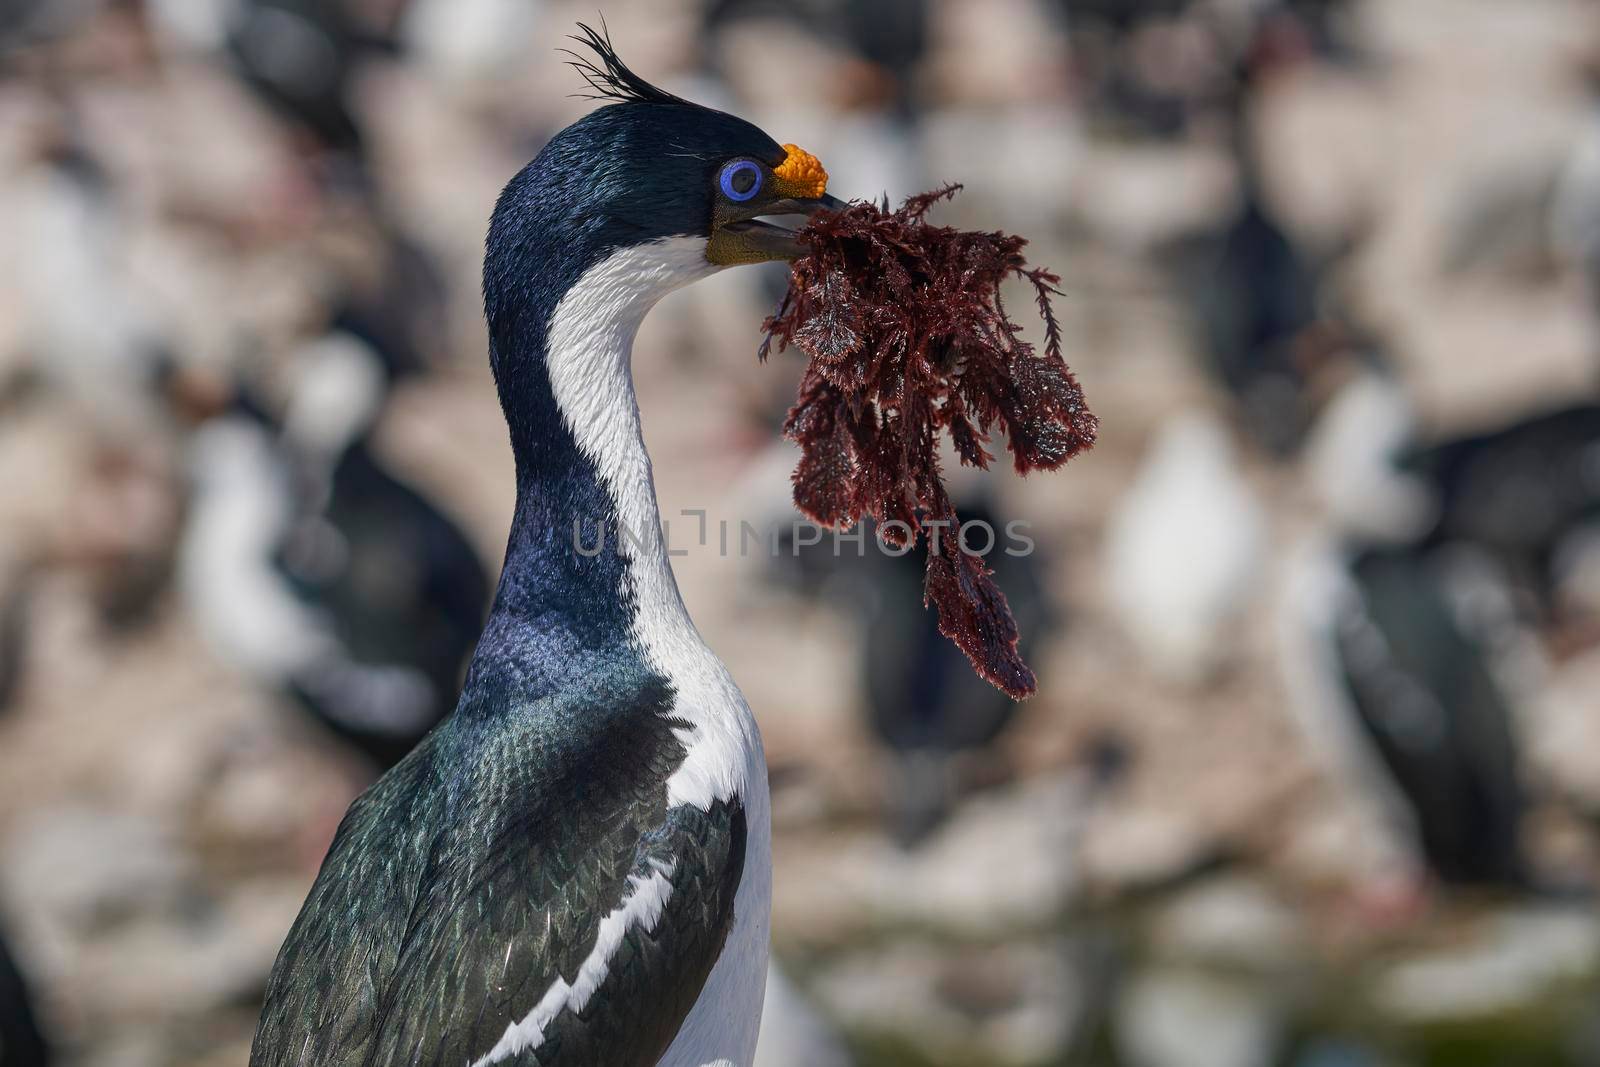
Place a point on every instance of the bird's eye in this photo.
(740, 180)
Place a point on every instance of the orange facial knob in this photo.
(802, 173)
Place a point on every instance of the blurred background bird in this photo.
(319, 572)
(21, 1043)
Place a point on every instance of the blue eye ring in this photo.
(737, 169)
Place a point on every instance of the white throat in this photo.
(588, 356)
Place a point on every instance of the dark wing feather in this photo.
(477, 872)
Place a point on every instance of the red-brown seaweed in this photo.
(908, 339)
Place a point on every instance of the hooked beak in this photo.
(740, 235)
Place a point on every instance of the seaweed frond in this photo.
(908, 339)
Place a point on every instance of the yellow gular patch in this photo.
(801, 173)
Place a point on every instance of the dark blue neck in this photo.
(557, 607)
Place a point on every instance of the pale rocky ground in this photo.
(160, 820)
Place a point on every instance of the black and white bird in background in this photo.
(1398, 690)
(301, 58)
(1398, 641)
(316, 571)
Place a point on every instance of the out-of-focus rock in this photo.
(1345, 842)
(1006, 860)
(1334, 1053)
(155, 966)
(1184, 1018)
(1138, 197)
(123, 929)
(1010, 52)
(1511, 962)
(77, 871)
(793, 1032)
(1231, 921)
(1138, 847)
(466, 45)
(1012, 1004)
(146, 1048)
(1562, 730)
(1045, 144)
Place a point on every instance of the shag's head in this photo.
(673, 168)
(651, 166)
(665, 190)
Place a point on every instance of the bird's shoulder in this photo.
(516, 888)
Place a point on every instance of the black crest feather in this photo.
(611, 79)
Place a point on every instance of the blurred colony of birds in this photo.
(1313, 775)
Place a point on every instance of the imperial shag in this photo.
(1393, 643)
(574, 868)
(318, 573)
